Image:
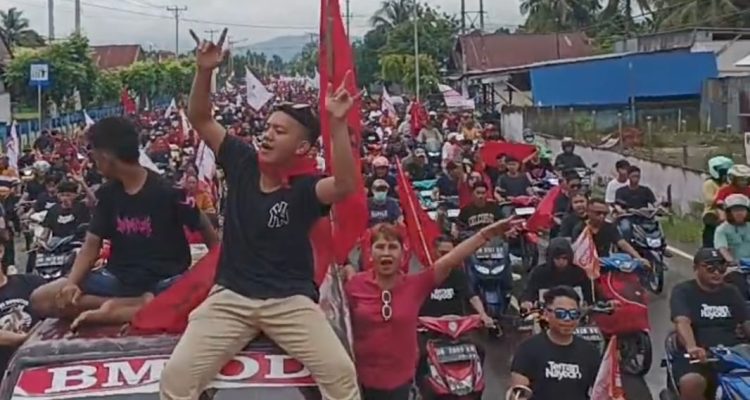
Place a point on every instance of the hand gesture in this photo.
(340, 101)
(76, 177)
(208, 55)
(502, 227)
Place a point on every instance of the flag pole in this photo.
(402, 179)
(416, 47)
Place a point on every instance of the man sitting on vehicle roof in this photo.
(143, 216)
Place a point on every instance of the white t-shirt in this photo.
(612, 186)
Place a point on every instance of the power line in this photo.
(176, 10)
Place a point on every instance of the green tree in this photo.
(107, 88)
(392, 13)
(306, 62)
(15, 28)
(367, 55)
(402, 69)
(437, 36)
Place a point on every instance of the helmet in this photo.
(379, 162)
(528, 135)
(41, 167)
(567, 140)
(736, 200)
(739, 171)
(719, 166)
(544, 153)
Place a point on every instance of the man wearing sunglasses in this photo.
(706, 312)
(556, 364)
(606, 235)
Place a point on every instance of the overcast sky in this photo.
(148, 23)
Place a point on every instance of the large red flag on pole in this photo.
(349, 217)
(421, 230)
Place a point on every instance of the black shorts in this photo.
(681, 366)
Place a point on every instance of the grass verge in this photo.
(683, 231)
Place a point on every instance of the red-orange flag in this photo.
(422, 231)
(519, 151)
(335, 60)
(542, 219)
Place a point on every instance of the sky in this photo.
(147, 22)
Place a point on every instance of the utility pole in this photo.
(78, 17)
(472, 20)
(481, 15)
(51, 19)
(463, 17)
(176, 10)
(416, 47)
(348, 19)
(211, 33)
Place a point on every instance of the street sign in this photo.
(39, 74)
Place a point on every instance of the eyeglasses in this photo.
(563, 314)
(716, 267)
(386, 310)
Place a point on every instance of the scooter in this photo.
(524, 249)
(586, 174)
(731, 363)
(490, 276)
(648, 239)
(454, 368)
(54, 258)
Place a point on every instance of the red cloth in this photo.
(168, 312)
(128, 104)
(350, 215)
(420, 229)
(520, 151)
(418, 117)
(542, 219)
(392, 344)
(727, 190)
(465, 195)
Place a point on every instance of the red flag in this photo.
(608, 383)
(421, 230)
(519, 151)
(334, 61)
(168, 312)
(418, 117)
(542, 219)
(128, 105)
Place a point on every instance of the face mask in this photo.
(379, 196)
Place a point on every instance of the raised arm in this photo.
(208, 57)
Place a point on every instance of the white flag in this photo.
(172, 108)
(86, 118)
(238, 101)
(77, 105)
(12, 148)
(205, 162)
(257, 94)
(184, 124)
(146, 162)
(386, 104)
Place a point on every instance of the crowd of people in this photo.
(264, 212)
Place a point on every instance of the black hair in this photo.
(561, 291)
(67, 187)
(116, 135)
(570, 174)
(620, 164)
(51, 179)
(305, 115)
(444, 239)
(597, 200)
(510, 159)
(633, 169)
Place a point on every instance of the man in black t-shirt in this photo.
(513, 183)
(706, 312)
(605, 234)
(556, 364)
(48, 198)
(479, 213)
(264, 282)
(569, 186)
(632, 196)
(65, 216)
(143, 217)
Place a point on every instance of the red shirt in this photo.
(386, 352)
(727, 190)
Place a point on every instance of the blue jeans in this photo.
(105, 284)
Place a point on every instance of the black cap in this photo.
(707, 256)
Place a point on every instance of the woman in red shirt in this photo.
(385, 305)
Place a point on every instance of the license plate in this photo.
(490, 252)
(523, 211)
(46, 261)
(589, 333)
(455, 353)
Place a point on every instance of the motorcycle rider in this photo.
(430, 135)
(63, 218)
(706, 312)
(621, 180)
(479, 213)
(380, 166)
(738, 178)
(632, 196)
(718, 167)
(48, 198)
(568, 159)
(576, 216)
(558, 270)
(514, 183)
(418, 167)
(732, 238)
(556, 364)
(605, 234)
(382, 207)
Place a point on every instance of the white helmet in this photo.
(736, 200)
(41, 167)
(739, 171)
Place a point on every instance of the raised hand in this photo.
(209, 55)
(340, 101)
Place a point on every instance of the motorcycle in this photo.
(620, 282)
(426, 193)
(34, 226)
(525, 248)
(490, 276)
(647, 237)
(54, 258)
(454, 368)
(731, 363)
(586, 174)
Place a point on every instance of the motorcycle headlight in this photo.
(497, 270)
(482, 269)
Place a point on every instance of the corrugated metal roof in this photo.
(116, 56)
(499, 51)
(614, 80)
(728, 55)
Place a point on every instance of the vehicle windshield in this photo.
(277, 393)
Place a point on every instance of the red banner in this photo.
(421, 230)
(140, 375)
(520, 151)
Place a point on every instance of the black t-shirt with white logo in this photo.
(557, 372)
(15, 313)
(44, 202)
(64, 221)
(146, 230)
(473, 217)
(450, 298)
(266, 252)
(714, 316)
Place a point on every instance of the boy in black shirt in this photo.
(480, 212)
(513, 183)
(706, 312)
(556, 364)
(264, 282)
(143, 216)
(65, 216)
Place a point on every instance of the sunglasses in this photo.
(386, 311)
(716, 267)
(565, 314)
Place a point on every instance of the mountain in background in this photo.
(285, 47)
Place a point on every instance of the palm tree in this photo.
(393, 12)
(546, 16)
(15, 28)
(709, 12)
